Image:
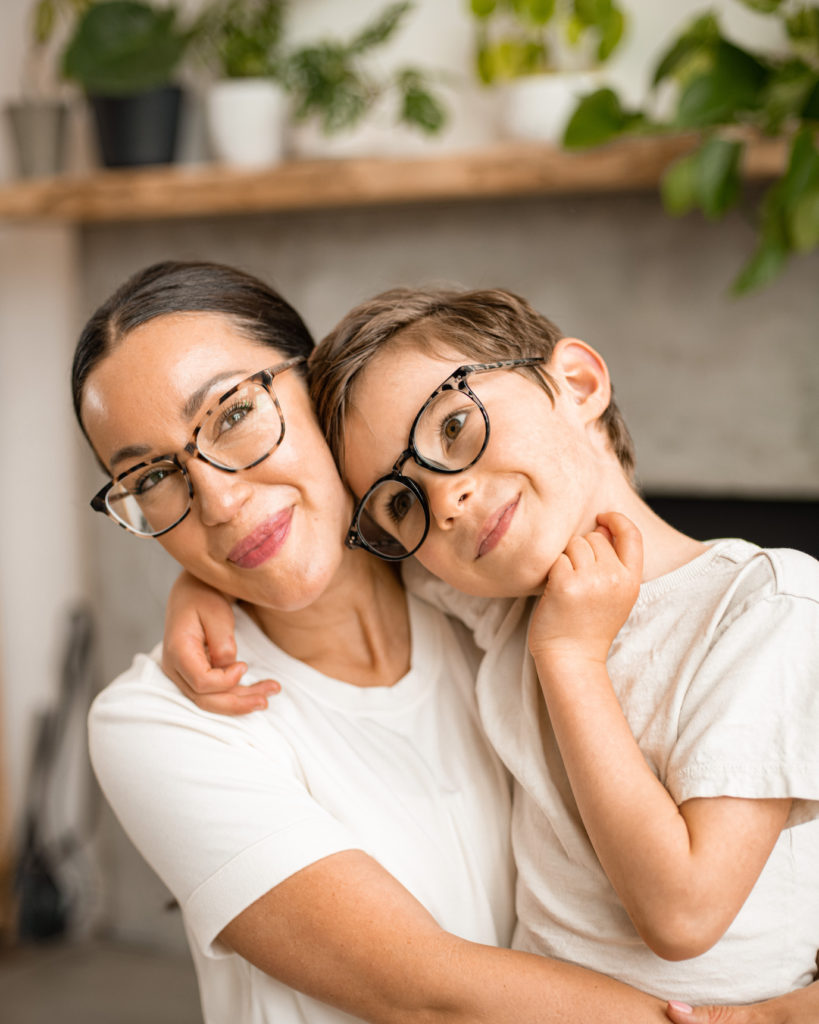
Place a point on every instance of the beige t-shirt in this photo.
(717, 671)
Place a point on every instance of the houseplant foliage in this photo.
(332, 81)
(243, 38)
(526, 37)
(246, 106)
(724, 91)
(122, 47)
(125, 54)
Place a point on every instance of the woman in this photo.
(345, 852)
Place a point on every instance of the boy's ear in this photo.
(583, 376)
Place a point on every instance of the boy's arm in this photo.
(199, 651)
(682, 873)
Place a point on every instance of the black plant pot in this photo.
(138, 129)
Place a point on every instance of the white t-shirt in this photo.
(717, 672)
(224, 809)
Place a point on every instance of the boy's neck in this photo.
(664, 547)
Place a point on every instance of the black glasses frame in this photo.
(456, 381)
(99, 503)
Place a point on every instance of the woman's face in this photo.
(497, 527)
(271, 535)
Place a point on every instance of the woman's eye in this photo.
(147, 481)
(233, 416)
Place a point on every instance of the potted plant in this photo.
(38, 119)
(125, 54)
(544, 54)
(725, 92)
(247, 105)
(334, 89)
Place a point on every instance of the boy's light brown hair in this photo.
(484, 325)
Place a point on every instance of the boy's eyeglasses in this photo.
(238, 432)
(449, 434)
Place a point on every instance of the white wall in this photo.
(41, 565)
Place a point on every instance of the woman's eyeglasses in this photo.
(238, 432)
(449, 434)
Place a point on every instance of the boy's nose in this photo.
(217, 495)
(448, 496)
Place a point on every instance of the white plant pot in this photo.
(246, 120)
(539, 106)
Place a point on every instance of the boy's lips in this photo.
(263, 542)
(495, 528)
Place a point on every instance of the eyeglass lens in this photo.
(449, 435)
(239, 432)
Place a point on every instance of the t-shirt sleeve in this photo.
(749, 720)
(219, 818)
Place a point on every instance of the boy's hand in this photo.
(589, 592)
(199, 651)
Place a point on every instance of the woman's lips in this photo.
(494, 530)
(264, 542)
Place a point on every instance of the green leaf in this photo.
(768, 260)
(539, 12)
(803, 221)
(483, 8)
(611, 32)
(45, 17)
(787, 94)
(803, 27)
(678, 186)
(419, 107)
(380, 30)
(802, 173)
(773, 248)
(733, 84)
(124, 46)
(810, 110)
(717, 176)
(598, 118)
(700, 37)
(763, 6)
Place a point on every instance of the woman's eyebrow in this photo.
(194, 402)
(189, 409)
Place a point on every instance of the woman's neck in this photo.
(357, 631)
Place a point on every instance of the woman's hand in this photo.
(199, 651)
(589, 593)
(798, 1007)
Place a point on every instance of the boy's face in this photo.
(497, 527)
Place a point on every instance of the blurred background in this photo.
(720, 389)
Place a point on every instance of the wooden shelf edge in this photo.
(513, 169)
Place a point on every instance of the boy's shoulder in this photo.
(769, 572)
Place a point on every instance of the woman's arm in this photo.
(682, 873)
(347, 933)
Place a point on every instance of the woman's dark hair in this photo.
(257, 311)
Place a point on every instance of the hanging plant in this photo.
(722, 87)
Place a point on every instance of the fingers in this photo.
(682, 1013)
(239, 700)
(626, 539)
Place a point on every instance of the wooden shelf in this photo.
(514, 169)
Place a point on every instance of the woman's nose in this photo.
(448, 496)
(217, 495)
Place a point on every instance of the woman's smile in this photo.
(262, 543)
